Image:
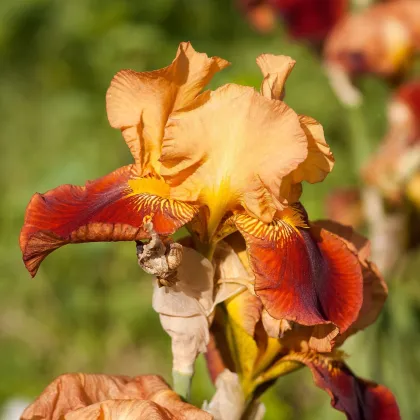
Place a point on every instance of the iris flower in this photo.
(218, 161)
(259, 349)
(397, 160)
(380, 40)
(105, 397)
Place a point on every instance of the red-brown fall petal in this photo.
(305, 275)
(357, 398)
(375, 290)
(106, 209)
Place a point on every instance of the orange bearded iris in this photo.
(232, 159)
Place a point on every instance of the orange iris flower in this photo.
(218, 161)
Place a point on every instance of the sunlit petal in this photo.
(111, 208)
(139, 103)
(275, 69)
(240, 160)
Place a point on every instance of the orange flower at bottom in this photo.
(90, 397)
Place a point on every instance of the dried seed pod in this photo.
(159, 257)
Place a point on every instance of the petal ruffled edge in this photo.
(139, 103)
(90, 396)
(106, 209)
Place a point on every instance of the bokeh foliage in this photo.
(89, 309)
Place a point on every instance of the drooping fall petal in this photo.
(111, 208)
(241, 160)
(305, 275)
(375, 290)
(139, 103)
(89, 396)
(357, 398)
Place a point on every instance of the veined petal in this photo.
(76, 390)
(94, 397)
(275, 69)
(111, 208)
(120, 410)
(357, 398)
(233, 150)
(375, 290)
(305, 275)
(139, 103)
(320, 160)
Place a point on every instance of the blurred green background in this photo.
(89, 309)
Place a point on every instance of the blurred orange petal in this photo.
(233, 150)
(380, 39)
(357, 398)
(111, 208)
(91, 397)
(309, 276)
(344, 205)
(140, 103)
(72, 391)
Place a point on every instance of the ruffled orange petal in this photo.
(139, 103)
(72, 391)
(111, 208)
(121, 410)
(240, 160)
(320, 160)
(275, 69)
(357, 398)
(92, 397)
(305, 275)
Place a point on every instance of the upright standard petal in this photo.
(275, 69)
(307, 275)
(111, 208)
(357, 398)
(240, 160)
(139, 104)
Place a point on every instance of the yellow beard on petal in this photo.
(149, 185)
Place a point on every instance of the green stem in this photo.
(182, 384)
